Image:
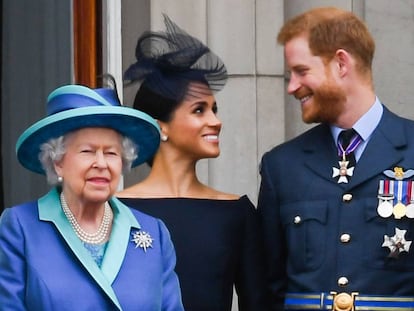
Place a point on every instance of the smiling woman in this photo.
(194, 129)
(215, 234)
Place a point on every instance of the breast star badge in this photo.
(397, 243)
(343, 172)
(142, 239)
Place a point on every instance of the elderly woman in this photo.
(78, 247)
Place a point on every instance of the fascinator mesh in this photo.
(167, 61)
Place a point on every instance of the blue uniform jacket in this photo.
(322, 236)
(44, 266)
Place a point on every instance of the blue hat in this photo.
(73, 107)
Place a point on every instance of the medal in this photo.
(343, 171)
(397, 243)
(409, 212)
(399, 210)
(386, 198)
(410, 194)
(398, 192)
(385, 209)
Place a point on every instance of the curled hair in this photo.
(51, 152)
(129, 154)
(329, 29)
(54, 149)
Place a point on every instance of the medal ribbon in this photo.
(382, 190)
(410, 199)
(355, 141)
(386, 188)
(399, 190)
(403, 191)
(390, 185)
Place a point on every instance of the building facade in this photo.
(257, 114)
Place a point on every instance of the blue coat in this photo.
(308, 217)
(44, 266)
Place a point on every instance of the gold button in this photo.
(345, 238)
(297, 220)
(347, 197)
(343, 281)
(343, 302)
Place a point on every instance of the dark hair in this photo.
(156, 105)
(167, 63)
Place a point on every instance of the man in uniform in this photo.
(337, 201)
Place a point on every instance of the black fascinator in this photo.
(167, 61)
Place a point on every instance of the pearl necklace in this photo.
(99, 236)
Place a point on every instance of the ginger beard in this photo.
(327, 103)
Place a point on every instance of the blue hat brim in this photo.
(142, 129)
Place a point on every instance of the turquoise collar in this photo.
(50, 210)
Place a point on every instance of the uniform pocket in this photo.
(305, 229)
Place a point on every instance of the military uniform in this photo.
(327, 243)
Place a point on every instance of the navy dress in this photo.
(218, 245)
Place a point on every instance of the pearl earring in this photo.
(60, 179)
(164, 137)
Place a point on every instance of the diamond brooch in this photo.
(142, 239)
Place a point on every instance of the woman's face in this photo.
(92, 165)
(194, 128)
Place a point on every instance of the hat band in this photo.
(76, 96)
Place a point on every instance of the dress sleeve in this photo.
(250, 282)
(12, 263)
(273, 237)
(171, 300)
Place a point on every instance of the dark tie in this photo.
(345, 138)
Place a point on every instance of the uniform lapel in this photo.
(382, 151)
(320, 155)
(49, 211)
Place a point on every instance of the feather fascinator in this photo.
(167, 61)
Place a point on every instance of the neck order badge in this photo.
(348, 141)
